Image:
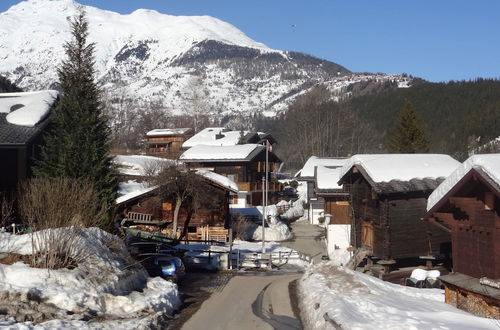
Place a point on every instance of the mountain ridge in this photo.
(150, 56)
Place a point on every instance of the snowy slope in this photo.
(179, 60)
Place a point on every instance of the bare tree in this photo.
(197, 105)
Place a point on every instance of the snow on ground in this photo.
(403, 167)
(35, 106)
(488, 164)
(104, 284)
(354, 300)
(139, 165)
(276, 230)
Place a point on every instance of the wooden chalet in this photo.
(467, 205)
(167, 142)
(20, 140)
(388, 194)
(307, 177)
(243, 164)
(142, 207)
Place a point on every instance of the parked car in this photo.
(136, 248)
(166, 266)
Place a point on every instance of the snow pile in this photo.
(139, 165)
(297, 210)
(313, 161)
(402, 167)
(32, 107)
(104, 284)
(276, 230)
(210, 152)
(334, 297)
(488, 164)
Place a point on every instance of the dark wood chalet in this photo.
(244, 164)
(389, 194)
(20, 144)
(467, 205)
(167, 142)
(210, 221)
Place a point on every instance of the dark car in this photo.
(166, 266)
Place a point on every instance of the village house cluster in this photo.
(389, 213)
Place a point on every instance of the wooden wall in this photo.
(392, 223)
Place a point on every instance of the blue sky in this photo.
(438, 40)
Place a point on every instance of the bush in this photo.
(56, 209)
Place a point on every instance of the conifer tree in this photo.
(409, 134)
(77, 143)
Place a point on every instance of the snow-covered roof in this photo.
(131, 189)
(168, 131)
(327, 177)
(313, 161)
(214, 153)
(137, 165)
(219, 180)
(401, 167)
(214, 136)
(489, 164)
(27, 108)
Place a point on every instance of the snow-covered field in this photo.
(331, 297)
(107, 285)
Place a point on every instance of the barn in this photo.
(467, 205)
(388, 194)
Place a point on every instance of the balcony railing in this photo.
(257, 186)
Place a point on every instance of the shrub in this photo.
(56, 209)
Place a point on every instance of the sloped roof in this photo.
(327, 178)
(239, 152)
(307, 170)
(168, 132)
(214, 136)
(219, 180)
(487, 165)
(27, 108)
(392, 173)
(23, 116)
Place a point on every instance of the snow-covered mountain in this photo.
(185, 62)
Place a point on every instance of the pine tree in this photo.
(409, 134)
(77, 143)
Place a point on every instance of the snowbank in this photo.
(104, 284)
(334, 297)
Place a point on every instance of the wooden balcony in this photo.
(257, 186)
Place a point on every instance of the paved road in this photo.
(248, 302)
(308, 239)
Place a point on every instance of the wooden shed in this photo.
(388, 194)
(335, 198)
(467, 205)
